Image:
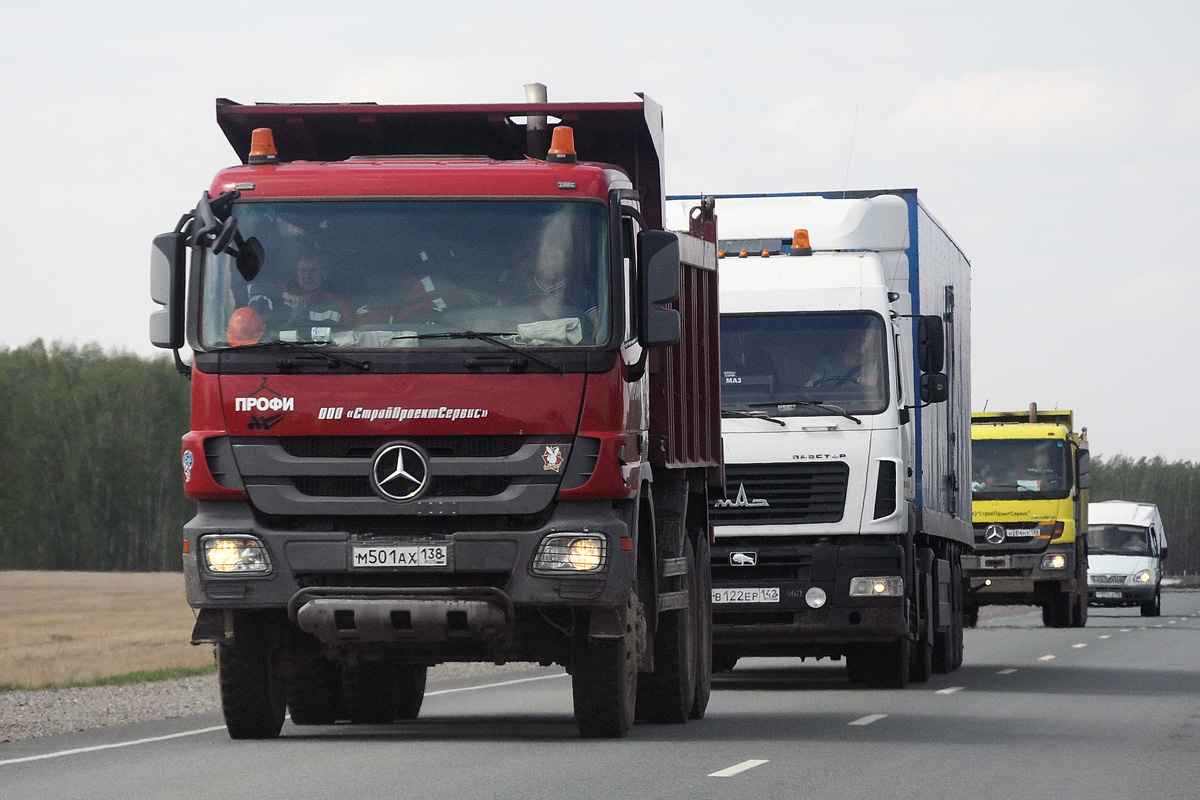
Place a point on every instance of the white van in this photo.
(1126, 548)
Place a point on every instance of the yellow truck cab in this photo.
(1029, 491)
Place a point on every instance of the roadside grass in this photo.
(61, 629)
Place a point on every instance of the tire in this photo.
(1056, 611)
(314, 695)
(948, 646)
(856, 666)
(667, 694)
(703, 621)
(410, 688)
(970, 616)
(888, 664)
(1079, 610)
(253, 693)
(604, 678)
(1153, 608)
(723, 663)
(920, 663)
(372, 692)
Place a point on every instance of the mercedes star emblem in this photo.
(399, 472)
(994, 534)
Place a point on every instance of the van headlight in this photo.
(571, 552)
(230, 555)
(1143, 576)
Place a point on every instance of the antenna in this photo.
(853, 130)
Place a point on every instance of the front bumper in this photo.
(1117, 595)
(1017, 578)
(487, 577)
(790, 627)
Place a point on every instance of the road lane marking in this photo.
(1008, 671)
(199, 731)
(729, 772)
(1078, 645)
(1106, 636)
(1046, 658)
(868, 719)
(950, 690)
(112, 746)
(1124, 630)
(494, 685)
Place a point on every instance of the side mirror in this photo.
(931, 343)
(1083, 469)
(1162, 554)
(658, 275)
(935, 387)
(168, 258)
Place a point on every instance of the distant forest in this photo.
(90, 466)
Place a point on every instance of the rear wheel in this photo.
(888, 664)
(372, 692)
(948, 646)
(702, 608)
(314, 695)
(410, 690)
(970, 616)
(668, 693)
(253, 693)
(604, 676)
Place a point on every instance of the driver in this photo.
(843, 363)
(311, 304)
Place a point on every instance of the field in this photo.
(68, 628)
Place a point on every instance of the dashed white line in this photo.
(1078, 645)
(1008, 671)
(1106, 636)
(1125, 630)
(868, 719)
(950, 690)
(1046, 658)
(729, 772)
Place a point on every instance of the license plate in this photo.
(993, 562)
(433, 555)
(762, 594)
(1109, 595)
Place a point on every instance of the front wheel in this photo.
(1153, 608)
(889, 664)
(668, 694)
(253, 693)
(604, 675)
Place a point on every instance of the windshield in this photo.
(804, 364)
(1006, 469)
(1127, 540)
(380, 274)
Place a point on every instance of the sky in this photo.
(1057, 142)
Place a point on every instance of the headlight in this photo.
(885, 586)
(571, 552)
(1054, 561)
(235, 554)
(1141, 577)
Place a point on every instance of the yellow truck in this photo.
(1029, 492)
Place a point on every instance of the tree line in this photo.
(90, 460)
(90, 466)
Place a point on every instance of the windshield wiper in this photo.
(308, 348)
(780, 404)
(490, 337)
(737, 412)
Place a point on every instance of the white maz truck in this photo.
(1126, 548)
(845, 355)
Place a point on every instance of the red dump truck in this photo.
(454, 398)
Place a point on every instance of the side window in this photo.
(629, 231)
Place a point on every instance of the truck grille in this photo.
(782, 493)
(469, 475)
(1106, 579)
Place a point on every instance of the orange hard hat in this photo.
(245, 327)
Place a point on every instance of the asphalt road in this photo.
(1108, 711)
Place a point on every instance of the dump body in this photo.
(1031, 473)
(450, 402)
(1127, 546)
(846, 504)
